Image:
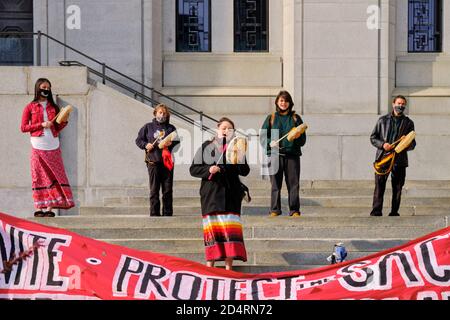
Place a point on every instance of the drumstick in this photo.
(221, 156)
(212, 174)
(273, 143)
(396, 142)
(56, 115)
(156, 140)
(161, 133)
(152, 144)
(147, 151)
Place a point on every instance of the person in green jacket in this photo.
(287, 153)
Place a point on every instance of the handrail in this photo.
(149, 99)
(116, 82)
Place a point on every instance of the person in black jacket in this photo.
(159, 160)
(221, 195)
(388, 129)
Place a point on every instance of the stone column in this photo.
(153, 34)
(222, 26)
(293, 50)
(387, 54)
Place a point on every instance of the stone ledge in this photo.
(16, 80)
(213, 57)
(65, 80)
(424, 57)
(422, 91)
(222, 91)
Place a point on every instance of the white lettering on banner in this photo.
(150, 278)
(314, 283)
(428, 264)
(365, 275)
(44, 296)
(215, 288)
(184, 285)
(41, 270)
(73, 21)
(50, 264)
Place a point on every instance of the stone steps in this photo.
(262, 233)
(271, 269)
(333, 211)
(324, 201)
(186, 211)
(267, 246)
(257, 183)
(264, 191)
(108, 222)
(169, 229)
(273, 244)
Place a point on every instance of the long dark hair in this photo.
(50, 96)
(287, 97)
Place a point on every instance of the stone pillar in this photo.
(446, 27)
(293, 50)
(153, 34)
(387, 54)
(222, 26)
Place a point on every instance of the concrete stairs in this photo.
(333, 211)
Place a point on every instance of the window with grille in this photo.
(425, 26)
(251, 25)
(193, 26)
(16, 16)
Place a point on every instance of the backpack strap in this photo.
(294, 117)
(272, 119)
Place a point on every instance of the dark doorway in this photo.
(16, 16)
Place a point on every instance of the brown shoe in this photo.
(39, 214)
(275, 214)
(296, 214)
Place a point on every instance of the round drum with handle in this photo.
(236, 150)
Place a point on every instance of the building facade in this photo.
(335, 57)
(342, 60)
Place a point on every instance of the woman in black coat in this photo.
(221, 195)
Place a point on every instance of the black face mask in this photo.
(399, 109)
(44, 93)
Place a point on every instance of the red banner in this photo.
(41, 262)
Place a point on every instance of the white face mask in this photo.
(161, 119)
